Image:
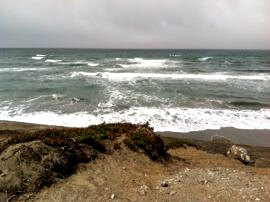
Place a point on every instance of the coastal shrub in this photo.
(146, 140)
(70, 137)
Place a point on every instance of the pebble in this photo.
(173, 193)
(143, 190)
(112, 196)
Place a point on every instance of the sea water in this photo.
(173, 90)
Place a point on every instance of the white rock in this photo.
(239, 153)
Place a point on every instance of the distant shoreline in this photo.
(238, 136)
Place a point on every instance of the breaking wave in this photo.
(91, 64)
(53, 61)
(145, 63)
(38, 57)
(130, 76)
(162, 119)
(205, 59)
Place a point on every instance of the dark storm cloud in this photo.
(135, 24)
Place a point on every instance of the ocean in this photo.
(173, 90)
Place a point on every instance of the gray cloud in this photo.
(135, 24)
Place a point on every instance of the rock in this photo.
(164, 184)
(112, 196)
(239, 153)
(203, 182)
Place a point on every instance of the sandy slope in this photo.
(192, 175)
(124, 175)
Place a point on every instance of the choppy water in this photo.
(175, 90)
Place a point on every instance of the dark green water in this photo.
(175, 90)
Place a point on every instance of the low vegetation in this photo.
(29, 161)
(69, 137)
(146, 140)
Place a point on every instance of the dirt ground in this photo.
(192, 175)
(124, 175)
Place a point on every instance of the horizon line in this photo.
(248, 49)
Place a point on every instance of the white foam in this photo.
(54, 96)
(115, 95)
(52, 61)
(73, 63)
(112, 69)
(145, 63)
(91, 64)
(37, 57)
(88, 74)
(162, 119)
(79, 62)
(15, 69)
(36, 98)
(205, 58)
(129, 76)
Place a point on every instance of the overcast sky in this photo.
(135, 23)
